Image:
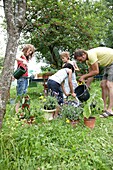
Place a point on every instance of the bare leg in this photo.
(110, 96)
(17, 107)
(89, 80)
(104, 93)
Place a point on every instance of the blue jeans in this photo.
(22, 84)
(55, 87)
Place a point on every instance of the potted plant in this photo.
(50, 105)
(92, 108)
(71, 113)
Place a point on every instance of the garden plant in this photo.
(54, 145)
(50, 102)
(71, 112)
(94, 106)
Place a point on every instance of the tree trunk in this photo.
(15, 19)
(54, 59)
(7, 73)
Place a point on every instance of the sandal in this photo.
(106, 114)
(109, 114)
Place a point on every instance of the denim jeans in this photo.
(55, 87)
(22, 84)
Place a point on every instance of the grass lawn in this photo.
(54, 145)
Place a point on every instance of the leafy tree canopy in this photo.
(109, 16)
(64, 25)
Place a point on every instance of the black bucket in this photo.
(82, 93)
(19, 72)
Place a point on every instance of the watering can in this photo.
(19, 72)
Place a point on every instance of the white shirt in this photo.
(60, 75)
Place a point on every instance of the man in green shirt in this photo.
(100, 56)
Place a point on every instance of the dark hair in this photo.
(70, 66)
(79, 53)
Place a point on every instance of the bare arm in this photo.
(70, 83)
(18, 58)
(94, 70)
(76, 67)
(89, 80)
(63, 89)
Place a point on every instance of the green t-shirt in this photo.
(103, 55)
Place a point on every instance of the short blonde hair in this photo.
(65, 54)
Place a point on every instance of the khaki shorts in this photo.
(108, 73)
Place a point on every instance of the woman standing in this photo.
(22, 60)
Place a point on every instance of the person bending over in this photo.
(100, 56)
(55, 82)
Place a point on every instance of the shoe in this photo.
(106, 114)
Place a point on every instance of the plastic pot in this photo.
(82, 93)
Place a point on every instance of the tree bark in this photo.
(15, 19)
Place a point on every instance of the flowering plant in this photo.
(50, 102)
(71, 112)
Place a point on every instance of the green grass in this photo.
(54, 145)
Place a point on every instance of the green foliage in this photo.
(35, 92)
(109, 16)
(59, 25)
(51, 69)
(83, 68)
(94, 106)
(50, 103)
(54, 145)
(71, 112)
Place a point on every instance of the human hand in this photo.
(79, 82)
(25, 62)
(13, 78)
(81, 79)
(67, 94)
(73, 94)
